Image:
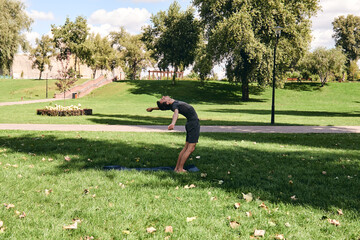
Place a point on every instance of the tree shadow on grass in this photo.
(127, 119)
(302, 86)
(287, 112)
(195, 92)
(262, 171)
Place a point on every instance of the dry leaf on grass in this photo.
(262, 205)
(334, 222)
(121, 185)
(23, 215)
(169, 229)
(48, 191)
(189, 187)
(8, 206)
(203, 175)
(150, 230)
(190, 219)
(259, 233)
(87, 238)
(279, 236)
(287, 224)
(213, 198)
(67, 158)
(237, 205)
(248, 214)
(2, 228)
(70, 227)
(294, 198)
(221, 182)
(323, 172)
(247, 197)
(234, 224)
(339, 211)
(127, 232)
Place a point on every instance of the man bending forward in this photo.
(192, 126)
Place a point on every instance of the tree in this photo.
(347, 36)
(133, 53)
(71, 38)
(325, 63)
(13, 21)
(100, 53)
(203, 61)
(42, 53)
(241, 34)
(67, 76)
(173, 38)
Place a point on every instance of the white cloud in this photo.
(148, 1)
(322, 23)
(103, 29)
(131, 18)
(36, 15)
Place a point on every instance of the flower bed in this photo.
(59, 110)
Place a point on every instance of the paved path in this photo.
(162, 128)
(30, 101)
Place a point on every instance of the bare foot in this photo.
(180, 170)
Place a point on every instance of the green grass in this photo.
(28, 89)
(217, 103)
(262, 164)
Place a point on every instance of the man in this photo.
(192, 126)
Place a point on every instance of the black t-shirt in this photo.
(185, 109)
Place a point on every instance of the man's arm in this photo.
(174, 119)
(152, 108)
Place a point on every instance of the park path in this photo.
(29, 101)
(163, 128)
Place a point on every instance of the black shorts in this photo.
(192, 131)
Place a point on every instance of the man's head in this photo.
(164, 103)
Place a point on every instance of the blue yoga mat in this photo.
(190, 168)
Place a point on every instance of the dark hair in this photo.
(163, 106)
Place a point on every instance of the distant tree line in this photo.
(238, 34)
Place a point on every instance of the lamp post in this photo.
(278, 33)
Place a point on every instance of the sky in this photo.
(104, 16)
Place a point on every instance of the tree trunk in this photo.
(40, 75)
(75, 64)
(174, 76)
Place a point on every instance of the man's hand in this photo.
(171, 126)
(149, 109)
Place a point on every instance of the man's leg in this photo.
(184, 155)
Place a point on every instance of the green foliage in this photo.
(241, 33)
(101, 55)
(354, 73)
(325, 63)
(71, 37)
(347, 35)
(173, 38)
(132, 52)
(13, 21)
(41, 54)
(67, 76)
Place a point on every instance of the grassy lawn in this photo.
(320, 170)
(217, 103)
(28, 89)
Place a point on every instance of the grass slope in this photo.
(272, 167)
(217, 103)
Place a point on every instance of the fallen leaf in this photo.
(203, 175)
(157, 197)
(248, 214)
(50, 159)
(151, 230)
(221, 182)
(293, 198)
(237, 205)
(247, 197)
(8, 206)
(291, 182)
(2, 228)
(228, 217)
(87, 238)
(279, 236)
(23, 215)
(339, 211)
(189, 187)
(17, 213)
(121, 185)
(213, 198)
(197, 157)
(323, 172)
(190, 219)
(234, 224)
(272, 224)
(72, 226)
(86, 191)
(127, 232)
(262, 205)
(67, 158)
(259, 233)
(47, 192)
(287, 224)
(1, 224)
(169, 229)
(334, 222)
(43, 159)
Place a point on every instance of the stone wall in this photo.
(22, 69)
